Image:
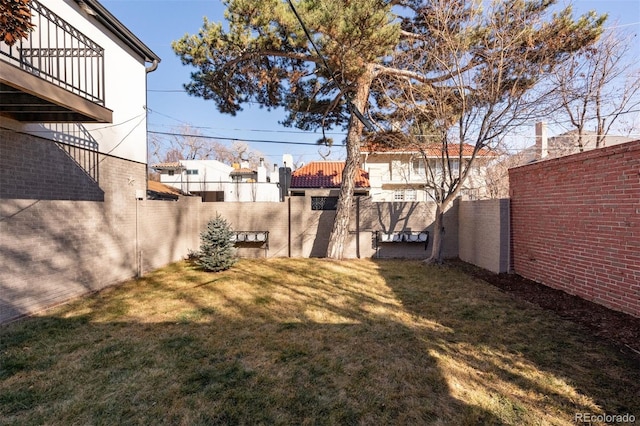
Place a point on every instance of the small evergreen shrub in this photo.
(217, 252)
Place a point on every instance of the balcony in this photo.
(56, 75)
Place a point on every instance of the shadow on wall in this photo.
(396, 217)
(63, 168)
(323, 232)
(53, 251)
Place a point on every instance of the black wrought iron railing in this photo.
(59, 53)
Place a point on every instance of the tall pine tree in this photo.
(371, 47)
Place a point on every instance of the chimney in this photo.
(542, 149)
(262, 171)
(287, 160)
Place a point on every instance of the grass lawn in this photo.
(308, 341)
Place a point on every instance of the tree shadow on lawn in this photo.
(250, 359)
(546, 367)
(286, 344)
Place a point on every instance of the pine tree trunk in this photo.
(340, 231)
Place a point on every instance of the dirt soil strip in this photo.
(621, 329)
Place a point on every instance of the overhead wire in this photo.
(233, 139)
(352, 108)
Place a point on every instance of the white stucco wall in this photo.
(125, 92)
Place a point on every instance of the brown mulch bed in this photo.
(621, 329)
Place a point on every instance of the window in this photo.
(417, 167)
(324, 203)
(192, 171)
(455, 167)
(404, 195)
(171, 172)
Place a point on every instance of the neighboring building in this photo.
(215, 181)
(320, 177)
(567, 143)
(497, 176)
(205, 178)
(570, 143)
(400, 173)
(160, 191)
(321, 180)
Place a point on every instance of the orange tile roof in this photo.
(431, 150)
(325, 174)
(392, 142)
(155, 186)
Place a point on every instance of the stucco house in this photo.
(73, 152)
(399, 173)
(215, 181)
(78, 81)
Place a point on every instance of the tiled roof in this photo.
(162, 188)
(394, 142)
(325, 174)
(168, 166)
(434, 150)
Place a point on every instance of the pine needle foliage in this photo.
(217, 252)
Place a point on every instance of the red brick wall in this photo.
(575, 224)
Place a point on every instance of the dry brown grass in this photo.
(293, 341)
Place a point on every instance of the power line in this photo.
(613, 27)
(235, 139)
(352, 108)
(233, 129)
(295, 132)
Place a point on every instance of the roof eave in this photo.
(105, 17)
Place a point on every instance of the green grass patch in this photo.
(308, 341)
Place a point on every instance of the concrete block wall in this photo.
(483, 234)
(298, 231)
(167, 231)
(272, 217)
(55, 250)
(36, 168)
(56, 245)
(576, 224)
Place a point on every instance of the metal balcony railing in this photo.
(60, 54)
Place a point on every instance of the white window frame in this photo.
(410, 195)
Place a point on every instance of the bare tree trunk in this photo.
(438, 224)
(340, 231)
(438, 236)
